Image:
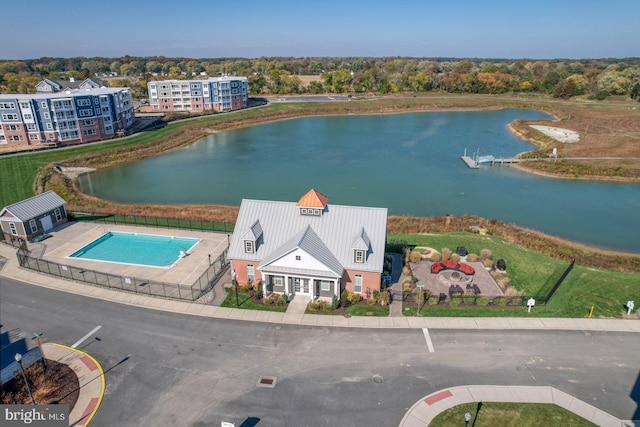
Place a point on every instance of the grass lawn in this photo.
(496, 414)
(606, 291)
(245, 302)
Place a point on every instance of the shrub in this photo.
(504, 284)
(446, 254)
(406, 270)
(455, 257)
(433, 299)
(469, 298)
(371, 301)
(350, 298)
(435, 256)
(485, 254)
(284, 299)
(482, 300)
(335, 303)
(501, 301)
(415, 256)
(385, 298)
(472, 257)
(455, 301)
(272, 299)
(512, 292)
(487, 263)
(406, 285)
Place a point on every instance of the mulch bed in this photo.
(58, 384)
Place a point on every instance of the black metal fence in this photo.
(201, 286)
(150, 221)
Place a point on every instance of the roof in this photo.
(313, 199)
(335, 232)
(35, 206)
(64, 93)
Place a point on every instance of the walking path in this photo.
(91, 378)
(420, 414)
(426, 409)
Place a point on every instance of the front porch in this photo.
(306, 286)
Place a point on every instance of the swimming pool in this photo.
(149, 250)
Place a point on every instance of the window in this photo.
(58, 214)
(46, 116)
(278, 280)
(325, 285)
(43, 104)
(248, 246)
(84, 102)
(86, 113)
(31, 126)
(89, 122)
(9, 117)
(33, 226)
(28, 116)
(49, 126)
(297, 257)
(303, 211)
(359, 256)
(24, 105)
(90, 132)
(357, 284)
(33, 136)
(14, 127)
(7, 105)
(251, 273)
(13, 228)
(15, 138)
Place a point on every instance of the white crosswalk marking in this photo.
(425, 331)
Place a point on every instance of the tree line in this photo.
(561, 78)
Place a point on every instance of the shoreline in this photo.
(225, 213)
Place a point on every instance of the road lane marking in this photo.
(93, 331)
(425, 331)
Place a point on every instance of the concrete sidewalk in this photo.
(12, 270)
(426, 409)
(91, 378)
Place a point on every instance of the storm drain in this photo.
(269, 382)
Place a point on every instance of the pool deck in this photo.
(69, 238)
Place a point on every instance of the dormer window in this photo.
(358, 256)
(248, 247)
(310, 211)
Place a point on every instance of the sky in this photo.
(541, 29)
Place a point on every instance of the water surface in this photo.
(409, 163)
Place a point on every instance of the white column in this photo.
(312, 289)
(264, 284)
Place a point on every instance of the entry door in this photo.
(46, 223)
(297, 282)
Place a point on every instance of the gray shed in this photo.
(33, 216)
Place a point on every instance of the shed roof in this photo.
(34, 206)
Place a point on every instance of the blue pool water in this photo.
(132, 248)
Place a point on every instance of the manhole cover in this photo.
(269, 382)
(377, 379)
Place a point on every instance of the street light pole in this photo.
(37, 337)
(235, 282)
(18, 358)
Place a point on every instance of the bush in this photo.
(482, 300)
(446, 254)
(504, 284)
(385, 298)
(350, 298)
(284, 299)
(455, 257)
(371, 301)
(272, 299)
(433, 299)
(455, 301)
(485, 254)
(406, 270)
(487, 263)
(335, 303)
(396, 246)
(472, 257)
(469, 298)
(435, 256)
(376, 296)
(501, 301)
(406, 285)
(415, 256)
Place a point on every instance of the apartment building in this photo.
(213, 94)
(68, 117)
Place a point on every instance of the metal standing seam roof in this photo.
(35, 206)
(337, 230)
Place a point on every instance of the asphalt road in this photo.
(164, 369)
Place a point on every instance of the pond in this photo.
(409, 163)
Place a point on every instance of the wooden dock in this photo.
(470, 162)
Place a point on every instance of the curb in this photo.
(85, 366)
